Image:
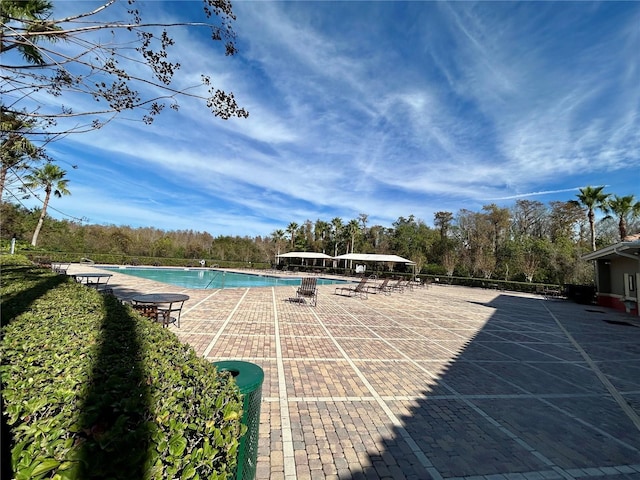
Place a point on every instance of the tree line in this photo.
(529, 241)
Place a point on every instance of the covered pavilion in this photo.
(375, 257)
(305, 256)
(357, 257)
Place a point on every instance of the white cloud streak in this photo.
(425, 107)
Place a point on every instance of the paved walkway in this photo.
(440, 382)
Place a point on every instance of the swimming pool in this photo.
(203, 278)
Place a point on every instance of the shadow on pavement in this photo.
(520, 398)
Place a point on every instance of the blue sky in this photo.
(384, 108)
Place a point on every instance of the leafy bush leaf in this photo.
(93, 390)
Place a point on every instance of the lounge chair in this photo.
(308, 289)
(379, 287)
(357, 290)
(400, 285)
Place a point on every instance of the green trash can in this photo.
(249, 378)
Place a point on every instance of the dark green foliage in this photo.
(22, 285)
(530, 242)
(92, 390)
(494, 284)
(124, 244)
(110, 259)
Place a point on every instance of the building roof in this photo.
(373, 257)
(304, 255)
(621, 249)
(359, 257)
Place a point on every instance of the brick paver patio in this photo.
(440, 382)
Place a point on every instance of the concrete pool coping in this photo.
(264, 273)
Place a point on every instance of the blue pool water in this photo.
(200, 278)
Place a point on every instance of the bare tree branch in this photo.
(107, 73)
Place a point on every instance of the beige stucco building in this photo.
(617, 269)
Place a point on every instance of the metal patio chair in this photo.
(308, 289)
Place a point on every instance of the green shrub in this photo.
(7, 259)
(511, 286)
(92, 390)
(119, 259)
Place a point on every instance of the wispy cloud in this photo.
(536, 194)
(423, 107)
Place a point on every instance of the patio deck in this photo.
(445, 382)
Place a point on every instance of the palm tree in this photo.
(278, 236)
(32, 13)
(51, 178)
(353, 228)
(593, 198)
(321, 231)
(292, 229)
(16, 151)
(337, 225)
(624, 208)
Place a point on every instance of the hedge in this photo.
(120, 259)
(92, 390)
